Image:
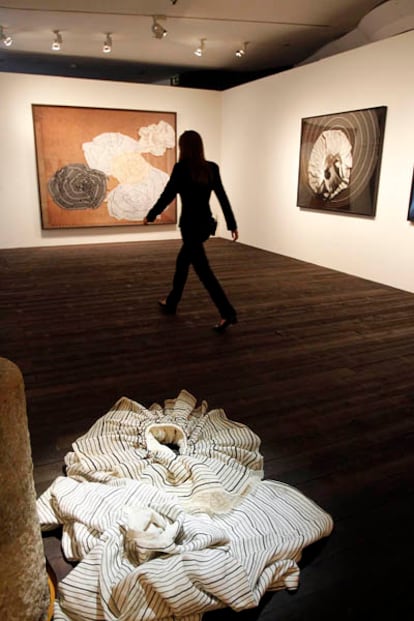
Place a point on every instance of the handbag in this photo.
(213, 226)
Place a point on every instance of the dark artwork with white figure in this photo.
(340, 159)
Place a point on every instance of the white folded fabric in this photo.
(159, 545)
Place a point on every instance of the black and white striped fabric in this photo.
(217, 463)
(146, 552)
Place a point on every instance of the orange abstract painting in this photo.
(102, 167)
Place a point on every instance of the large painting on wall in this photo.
(102, 167)
(340, 160)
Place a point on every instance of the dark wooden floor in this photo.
(320, 366)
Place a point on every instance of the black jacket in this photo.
(196, 214)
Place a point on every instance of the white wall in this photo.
(20, 222)
(260, 159)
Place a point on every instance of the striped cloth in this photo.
(218, 461)
(145, 551)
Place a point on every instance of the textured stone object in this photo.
(24, 590)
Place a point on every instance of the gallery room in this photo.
(293, 426)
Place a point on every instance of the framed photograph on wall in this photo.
(340, 161)
(411, 203)
(102, 167)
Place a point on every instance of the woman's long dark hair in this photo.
(192, 152)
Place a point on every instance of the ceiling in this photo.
(279, 34)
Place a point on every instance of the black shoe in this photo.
(225, 323)
(168, 310)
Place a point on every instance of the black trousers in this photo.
(193, 253)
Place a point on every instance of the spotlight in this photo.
(107, 46)
(242, 51)
(158, 31)
(200, 50)
(7, 41)
(57, 43)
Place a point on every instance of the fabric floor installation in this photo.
(166, 512)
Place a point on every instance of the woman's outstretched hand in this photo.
(235, 235)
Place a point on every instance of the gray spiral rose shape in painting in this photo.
(77, 186)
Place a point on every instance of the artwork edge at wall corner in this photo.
(410, 215)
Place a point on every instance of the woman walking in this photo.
(194, 178)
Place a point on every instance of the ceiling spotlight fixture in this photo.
(7, 41)
(107, 46)
(57, 43)
(200, 50)
(158, 31)
(241, 52)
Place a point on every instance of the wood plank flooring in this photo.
(320, 366)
